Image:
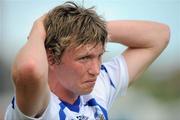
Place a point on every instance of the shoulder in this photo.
(51, 112)
(114, 71)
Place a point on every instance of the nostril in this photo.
(94, 67)
(94, 70)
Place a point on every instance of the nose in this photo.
(94, 68)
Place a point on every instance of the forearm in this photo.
(138, 34)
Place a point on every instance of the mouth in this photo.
(90, 81)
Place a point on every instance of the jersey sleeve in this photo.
(112, 81)
(14, 113)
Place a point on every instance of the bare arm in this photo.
(30, 73)
(145, 41)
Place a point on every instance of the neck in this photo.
(61, 92)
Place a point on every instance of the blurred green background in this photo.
(156, 96)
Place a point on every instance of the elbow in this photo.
(25, 73)
(165, 35)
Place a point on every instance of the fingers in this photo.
(38, 30)
(42, 18)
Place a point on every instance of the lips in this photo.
(91, 81)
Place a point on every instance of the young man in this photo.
(58, 73)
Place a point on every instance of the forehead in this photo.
(87, 49)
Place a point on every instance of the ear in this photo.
(50, 58)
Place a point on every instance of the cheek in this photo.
(75, 72)
(78, 71)
(74, 77)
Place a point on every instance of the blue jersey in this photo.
(113, 79)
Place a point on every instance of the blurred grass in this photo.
(164, 89)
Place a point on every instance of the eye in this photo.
(85, 58)
(100, 56)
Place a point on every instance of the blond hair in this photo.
(70, 24)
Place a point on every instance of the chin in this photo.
(87, 91)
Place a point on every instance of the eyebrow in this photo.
(82, 53)
(88, 53)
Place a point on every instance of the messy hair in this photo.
(72, 25)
